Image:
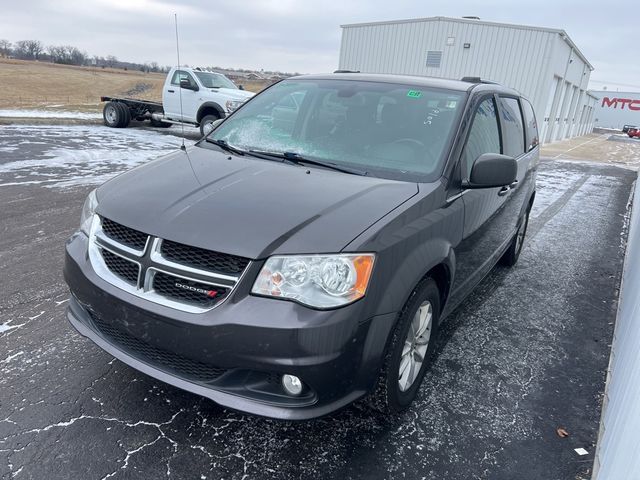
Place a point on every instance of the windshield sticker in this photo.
(414, 93)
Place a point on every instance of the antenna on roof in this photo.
(182, 147)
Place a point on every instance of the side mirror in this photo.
(240, 87)
(492, 170)
(186, 84)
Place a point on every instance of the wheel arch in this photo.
(208, 108)
(441, 274)
(533, 197)
(526, 206)
(435, 258)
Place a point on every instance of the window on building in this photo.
(513, 126)
(434, 57)
(484, 136)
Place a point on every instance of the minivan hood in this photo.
(247, 206)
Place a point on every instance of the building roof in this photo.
(563, 34)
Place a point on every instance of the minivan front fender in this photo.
(400, 280)
(410, 246)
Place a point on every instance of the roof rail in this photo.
(346, 71)
(477, 80)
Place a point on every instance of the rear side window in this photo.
(531, 126)
(513, 127)
(484, 136)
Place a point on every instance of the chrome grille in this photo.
(205, 259)
(188, 291)
(120, 266)
(187, 278)
(124, 235)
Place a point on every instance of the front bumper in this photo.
(236, 353)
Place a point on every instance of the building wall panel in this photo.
(525, 58)
(618, 452)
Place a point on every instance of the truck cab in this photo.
(198, 97)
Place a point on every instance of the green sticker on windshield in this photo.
(414, 93)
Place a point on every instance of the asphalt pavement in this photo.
(524, 355)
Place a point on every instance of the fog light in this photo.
(292, 384)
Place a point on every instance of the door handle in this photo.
(504, 190)
(171, 91)
(514, 184)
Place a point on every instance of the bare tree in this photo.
(5, 48)
(56, 53)
(29, 49)
(75, 56)
(111, 60)
(20, 49)
(36, 48)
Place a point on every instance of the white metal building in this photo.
(616, 109)
(542, 63)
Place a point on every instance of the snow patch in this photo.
(11, 357)
(50, 114)
(7, 327)
(72, 155)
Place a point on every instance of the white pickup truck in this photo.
(189, 95)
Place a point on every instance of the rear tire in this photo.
(111, 114)
(397, 385)
(511, 256)
(125, 115)
(205, 124)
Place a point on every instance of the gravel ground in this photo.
(524, 355)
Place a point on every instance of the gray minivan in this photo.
(305, 252)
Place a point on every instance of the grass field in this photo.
(28, 84)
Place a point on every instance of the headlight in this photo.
(233, 104)
(320, 281)
(88, 211)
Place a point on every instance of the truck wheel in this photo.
(410, 351)
(159, 123)
(125, 115)
(111, 114)
(206, 124)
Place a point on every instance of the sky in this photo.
(300, 36)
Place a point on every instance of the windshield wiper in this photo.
(225, 146)
(298, 159)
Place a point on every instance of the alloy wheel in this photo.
(415, 346)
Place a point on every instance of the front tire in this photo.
(410, 351)
(206, 124)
